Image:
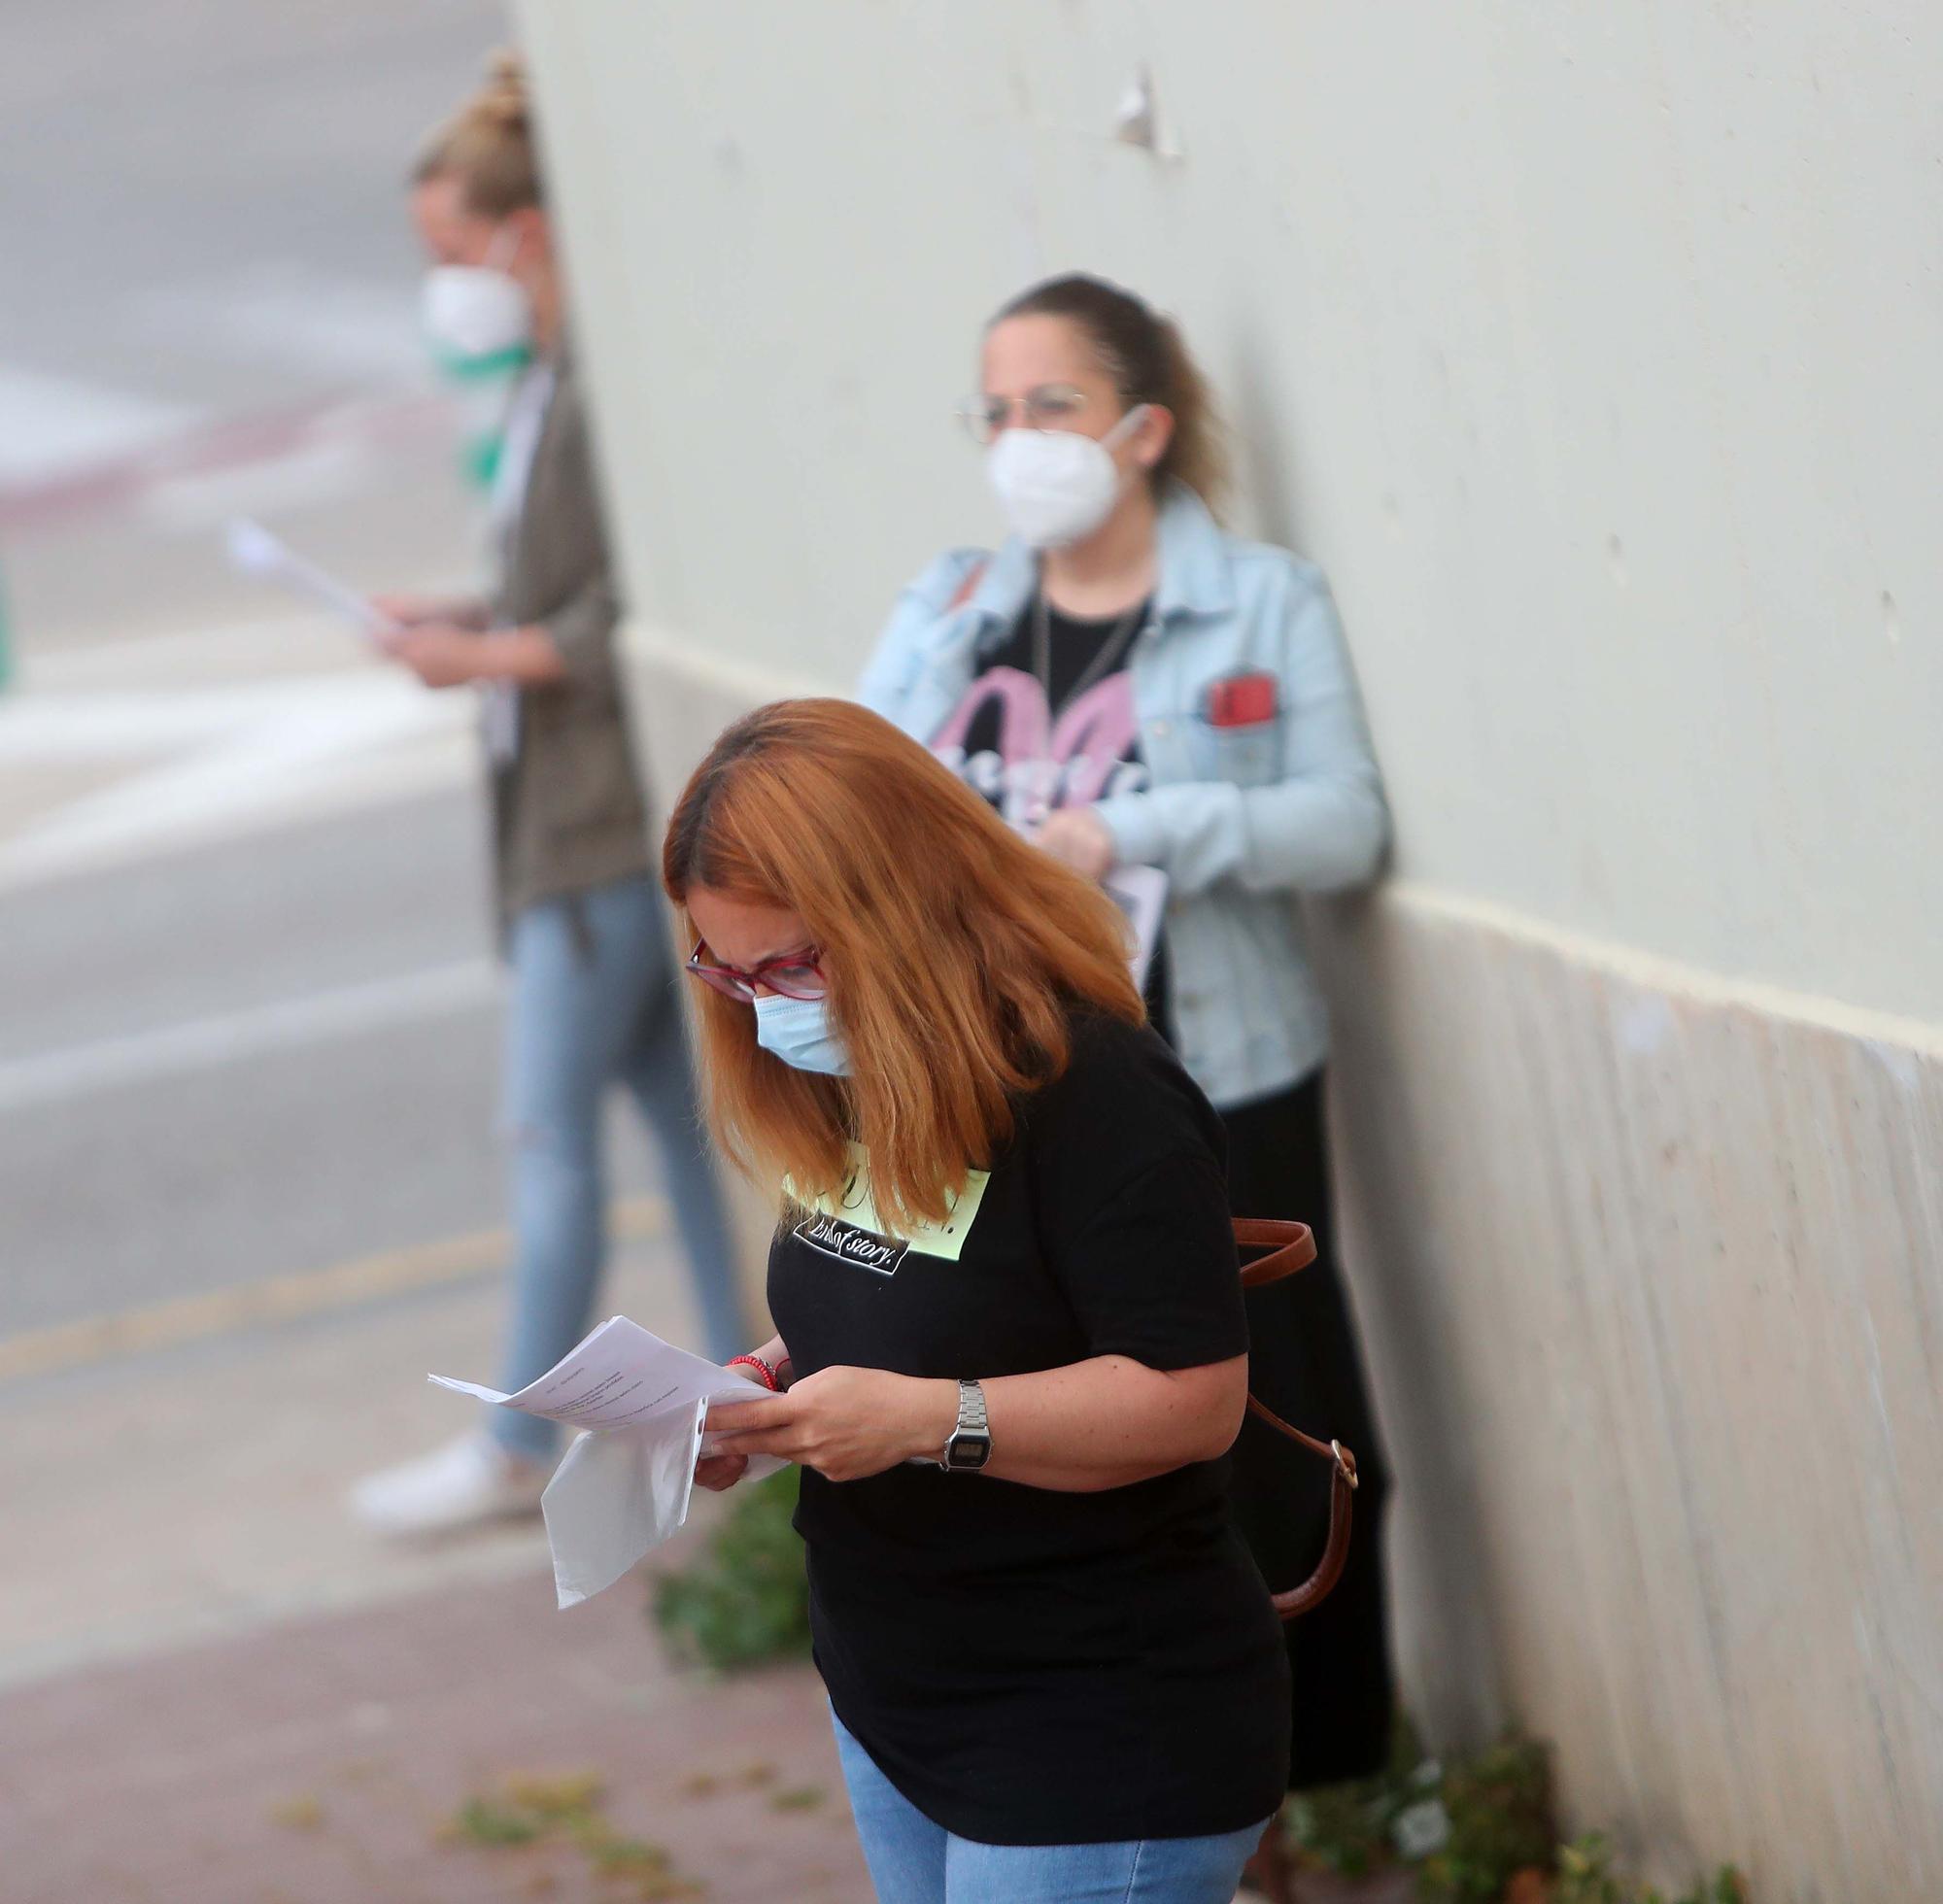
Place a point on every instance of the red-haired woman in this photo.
(1012, 1352)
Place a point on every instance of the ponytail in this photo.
(1150, 363)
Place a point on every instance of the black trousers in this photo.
(1304, 1362)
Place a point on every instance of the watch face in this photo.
(969, 1450)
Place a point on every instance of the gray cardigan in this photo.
(567, 808)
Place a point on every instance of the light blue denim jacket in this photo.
(1238, 818)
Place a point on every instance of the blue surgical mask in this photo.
(798, 1031)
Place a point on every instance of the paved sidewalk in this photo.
(326, 1763)
(215, 1687)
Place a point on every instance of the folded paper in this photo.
(625, 1485)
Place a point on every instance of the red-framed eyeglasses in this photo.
(792, 975)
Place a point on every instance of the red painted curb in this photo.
(120, 482)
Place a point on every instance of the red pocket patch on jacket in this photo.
(1241, 701)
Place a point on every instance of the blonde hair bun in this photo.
(488, 145)
(504, 95)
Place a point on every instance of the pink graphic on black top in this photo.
(1004, 741)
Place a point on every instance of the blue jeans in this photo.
(914, 1861)
(595, 1004)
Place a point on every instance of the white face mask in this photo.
(1055, 485)
(479, 316)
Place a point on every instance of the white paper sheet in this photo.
(625, 1485)
(617, 1378)
(1141, 892)
(618, 1495)
(255, 551)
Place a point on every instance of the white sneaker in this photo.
(470, 1479)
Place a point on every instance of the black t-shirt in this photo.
(1031, 1667)
(1030, 746)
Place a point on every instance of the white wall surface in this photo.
(1592, 350)
(1595, 353)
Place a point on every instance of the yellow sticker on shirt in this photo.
(847, 1227)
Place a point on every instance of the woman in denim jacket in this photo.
(1137, 688)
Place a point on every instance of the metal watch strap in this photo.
(973, 1428)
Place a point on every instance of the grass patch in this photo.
(481, 1822)
(300, 1814)
(746, 1602)
(798, 1798)
(570, 1794)
(564, 1810)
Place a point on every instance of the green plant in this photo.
(1499, 1804)
(1585, 1877)
(1725, 1887)
(1350, 1828)
(1476, 1830)
(1342, 1829)
(747, 1600)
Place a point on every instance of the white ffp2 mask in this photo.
(473, 315)
(1055, 485)
(479, 315)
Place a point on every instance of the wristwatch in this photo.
(970, 1446)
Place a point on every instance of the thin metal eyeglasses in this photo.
(790, 974)
(1047, 406)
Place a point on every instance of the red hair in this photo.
(955, 952)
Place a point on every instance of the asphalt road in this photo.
(255, 1058)
(255, 1032)
(202, 202)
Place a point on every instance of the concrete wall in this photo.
(1595, 352)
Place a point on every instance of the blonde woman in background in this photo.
(585, 930)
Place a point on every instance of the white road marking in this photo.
(56, 425)
(212, 761)
(307, 474)
(228, 654)
(319, 323)
(78, 727)
(202, 1044)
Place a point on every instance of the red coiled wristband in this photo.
(765, 1374)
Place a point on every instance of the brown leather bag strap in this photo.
(1342, 1514)
(1291, 1247)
